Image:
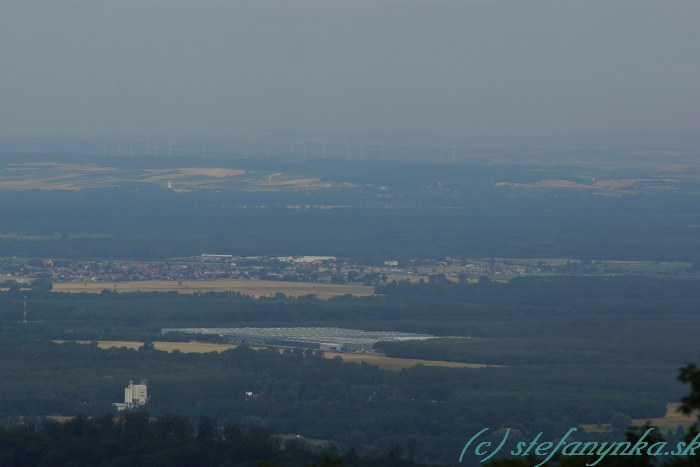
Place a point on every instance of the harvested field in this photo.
(118, 344)
(671, 420)
(297, 182)
(193, 347)
(186, 347)
(254, 288)
(611, 185)
(211, 172)
(175, 174)
(389, 363)
(386, 363)
(596, 427)
(58, 176)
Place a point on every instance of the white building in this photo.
(330, 347)
(135, 395)
(305, 259)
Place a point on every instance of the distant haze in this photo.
(455, 68)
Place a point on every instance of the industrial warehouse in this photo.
(328, 339)
(135, 395)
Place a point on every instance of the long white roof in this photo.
(311, 334)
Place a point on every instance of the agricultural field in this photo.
(671, 420)
(391, 363)
(600, 186)
(186, 347)
(77, 176)
(605, 267)
(385, 363)
(253, 288)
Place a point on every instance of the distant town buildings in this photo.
(305, 259)
(18, 273)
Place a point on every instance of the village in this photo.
(211, 267)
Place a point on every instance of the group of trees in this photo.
(687, 448)
(357, 406)
(136, 440)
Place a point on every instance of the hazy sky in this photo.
(462, 67)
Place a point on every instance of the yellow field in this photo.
(389, 363)
(630, 185)
(186, 347)
(58, 176)
(193, 347)
(118, 344)
(386, 363)
(254, 288)
(596, 428)
(672, 419)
